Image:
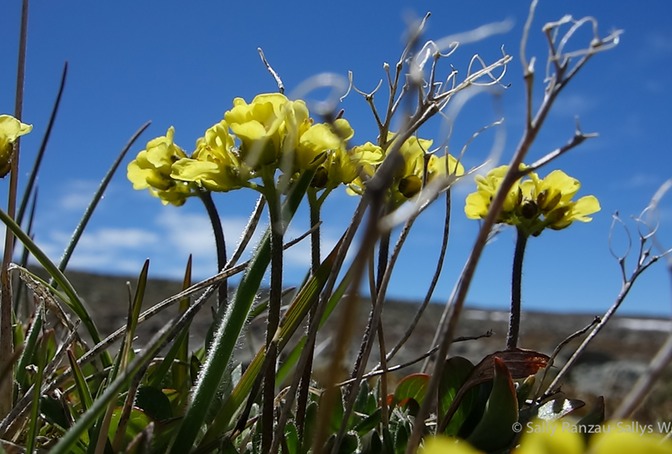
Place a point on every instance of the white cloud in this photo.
(110, 239)
(574, 104)
(659, 43)
(639, 180)
(78, 194)
(103, 250)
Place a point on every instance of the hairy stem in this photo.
(220, 244)
(516, 283)
(304, 387)
(274, 304)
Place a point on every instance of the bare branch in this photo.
(276, 76)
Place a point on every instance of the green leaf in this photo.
(137, 422)
(337, 412)
(594, 417)
(362, 401)
(55, 412)
(401, 439)
(456, 371)
(411, 387)
(291, 438)
(349, 444)
(309, 427)
(525, 390)
(494, 431)
(368, 423)
(154, 403)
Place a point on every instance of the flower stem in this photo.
(302, 399)
(516, 280)
(220, 243)
(274, 303)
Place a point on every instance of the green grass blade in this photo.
(29, 351)
(37, 163)
(85, 396)
(229, 331)
(133, 314)
(153, 347)
(72, 300)
(34, 424)
(177, 357)
(293, 357)
(296, 312)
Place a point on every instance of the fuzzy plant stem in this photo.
(302, 399)
(220, 244)
(516, 281)
(274, 303)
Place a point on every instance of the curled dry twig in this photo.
(643, 261)
(554, 86)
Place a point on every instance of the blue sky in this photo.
(182, 63)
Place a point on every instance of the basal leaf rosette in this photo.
(533, 203)
(10, 130)
(152, 169)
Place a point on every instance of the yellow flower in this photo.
(213, 165)
(410, 177)
(267, 127)
(359, 160)
(614, 437)
(322, 138)
(629, 437)
(10, 130)
(152, 169)
(478, 203)
(550, 437)
(324, 145)
(446, 445)
(532, 204)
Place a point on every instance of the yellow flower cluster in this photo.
(10, 130)
(419, 167)
(272, 132)
(533, 203)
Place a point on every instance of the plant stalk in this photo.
(274, 304)
(6, 332)
(516, 283)
(220, 244)
(304, 387)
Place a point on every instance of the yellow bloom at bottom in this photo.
(446, 445)
(614, 437)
